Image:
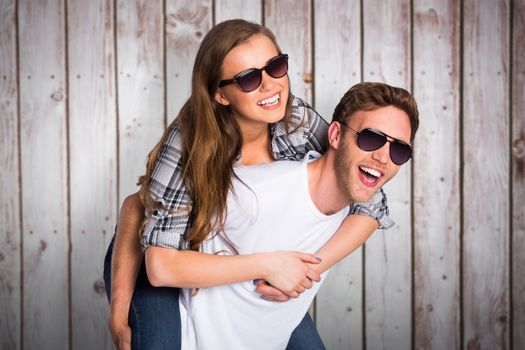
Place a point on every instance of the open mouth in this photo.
(370, 175)
(270, 101)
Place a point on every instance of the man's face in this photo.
(359, 173)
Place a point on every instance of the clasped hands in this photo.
(292, 274)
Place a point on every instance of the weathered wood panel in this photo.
(186, 24)
(518, 174)
(290, 22)
(486, 175)
(93, 174)
(436, 175)
(140, 86)
(337, 60)
(250, 10)
(10, 228)
(39, 173)
(386, 52)
(44, 174)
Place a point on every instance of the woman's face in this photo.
(267, 103)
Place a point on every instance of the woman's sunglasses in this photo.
(251, 79)
(370, 139)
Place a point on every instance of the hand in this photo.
(120, 333)
(271, 293)
(290, 273)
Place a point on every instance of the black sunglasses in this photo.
(371, 139)
(251, 79)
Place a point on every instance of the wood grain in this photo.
(337, 61)
(437, 176)
(518, 174)
(93, 174)
(250, 10)
(386, 58)
(44, 154)
(187, 22)
(10, 229)
(141, 86)
(486, 208)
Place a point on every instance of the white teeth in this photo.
(271, 101)
(370, 171)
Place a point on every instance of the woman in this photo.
(236, 114)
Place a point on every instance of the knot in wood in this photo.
(518, 148)
(99, 286)
(307, 77)
(57, 96)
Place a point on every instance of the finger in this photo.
(292, 294)
(313, 276)
(269, 291)
(307, 283)
(277, 299)
(309, 258)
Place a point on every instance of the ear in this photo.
(334, 134)
(220, 98)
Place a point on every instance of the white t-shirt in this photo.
(270, 210)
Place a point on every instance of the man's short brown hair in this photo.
(370, 96)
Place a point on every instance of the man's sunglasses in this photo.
(251, 79)
(370, 139)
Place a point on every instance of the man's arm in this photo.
(125, 264)
(353, 232)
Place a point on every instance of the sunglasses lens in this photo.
(278, 67)
(369, 140)
(400, 152)
(250, 80)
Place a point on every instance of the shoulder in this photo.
(301, 111)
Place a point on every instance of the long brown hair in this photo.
(211, 137)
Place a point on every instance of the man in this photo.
(370, 136)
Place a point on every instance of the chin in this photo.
(363, 196)
(276, 116)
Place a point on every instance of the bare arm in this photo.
(352, 233)
(189, 269)
(125, 265)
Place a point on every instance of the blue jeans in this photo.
(154, 316)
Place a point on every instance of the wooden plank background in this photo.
(93, 174)
(87, 88)
(437, 231)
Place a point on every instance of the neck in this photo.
(322, 184)
(256, 145)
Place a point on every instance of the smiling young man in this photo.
(298, 206)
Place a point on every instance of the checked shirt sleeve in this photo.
(376, 208)
(166, 228)
(309, 131)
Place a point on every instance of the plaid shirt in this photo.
(167, 228)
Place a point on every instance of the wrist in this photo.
(262, 266)
(118, 312)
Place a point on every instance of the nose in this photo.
(267, 82)
(382, 154)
